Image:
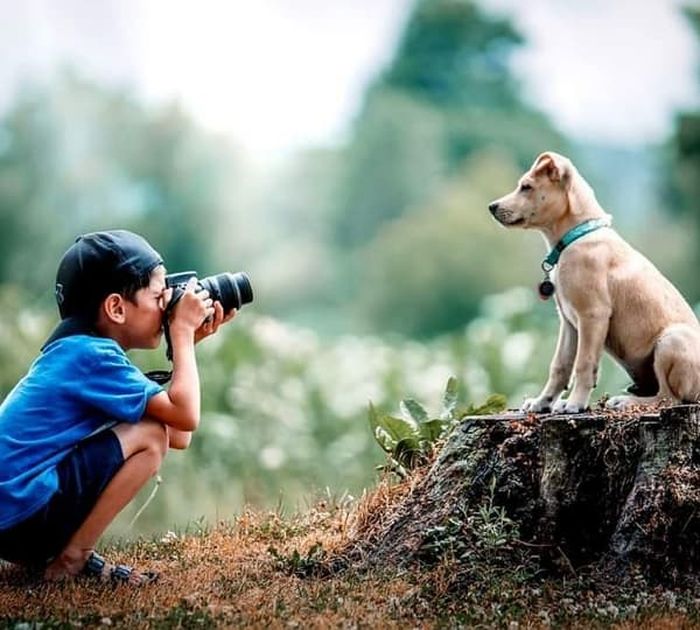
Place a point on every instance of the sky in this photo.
(278, 75)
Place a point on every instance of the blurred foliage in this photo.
(452, 55)
(394, 161)
(75, 157)
(684, 172)
(289, 252)
(427, 273)
(284, 412)
(22, 331)
(447, 99)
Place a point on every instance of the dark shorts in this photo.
(82, 477)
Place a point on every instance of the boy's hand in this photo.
(192, 309)
(211, 325)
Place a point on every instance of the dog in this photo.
(608, 295)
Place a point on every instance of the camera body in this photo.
(233, 290)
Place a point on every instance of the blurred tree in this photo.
(75, 157)
(447, 93)
(21, 331)
(294, 275)
(427, 273)
(418, 258)
(394, 162)
(684, 175)
(452, 55)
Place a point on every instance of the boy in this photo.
(84, 430)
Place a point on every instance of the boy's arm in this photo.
(179, 406)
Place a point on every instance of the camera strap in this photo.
(163, 376)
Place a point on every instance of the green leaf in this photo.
(432, 429)
(408, 452)
(409, 439)
(389, 431)
(495, 403)
(449, 399)
(384, 439)
(398, 428)
(412, 410)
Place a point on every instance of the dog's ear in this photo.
(554, 166)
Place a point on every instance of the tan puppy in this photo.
(608, 295)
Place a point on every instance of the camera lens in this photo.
(233, 290)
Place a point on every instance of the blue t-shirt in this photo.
(76, 386)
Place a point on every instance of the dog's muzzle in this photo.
(504, 216)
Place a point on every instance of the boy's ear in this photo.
(113, 308)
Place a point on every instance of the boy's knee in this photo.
(156, 437)
(155, 444)
(146, 435)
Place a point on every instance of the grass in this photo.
(267, 570)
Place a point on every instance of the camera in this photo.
(233, 290)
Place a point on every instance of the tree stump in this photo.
(578, 489)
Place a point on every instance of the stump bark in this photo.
(579, 489)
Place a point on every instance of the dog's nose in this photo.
(493, 206)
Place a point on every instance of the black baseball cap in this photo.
(97, 264)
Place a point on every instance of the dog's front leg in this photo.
(559, 370)
(592, 331)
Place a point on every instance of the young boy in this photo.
(84, 430)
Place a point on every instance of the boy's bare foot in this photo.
(85, 562)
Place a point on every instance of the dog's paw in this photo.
(620, 403)
(567, 406)
(537, 405)
(559, 406)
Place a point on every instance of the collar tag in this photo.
(545, 289)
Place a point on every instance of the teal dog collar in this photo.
(546, 287)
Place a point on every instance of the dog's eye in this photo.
(525, 187)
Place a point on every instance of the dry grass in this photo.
(224, 577)
(228, 577)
